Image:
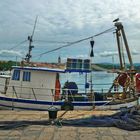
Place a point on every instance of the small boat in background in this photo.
(39, 88)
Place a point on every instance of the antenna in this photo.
(30, 39)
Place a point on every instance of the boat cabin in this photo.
(33, 82)
(41, 83)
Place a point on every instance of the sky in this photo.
(63, 21)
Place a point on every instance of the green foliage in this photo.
(7, 65)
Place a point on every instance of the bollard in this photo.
(52, 111)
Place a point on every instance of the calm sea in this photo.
(101, 80)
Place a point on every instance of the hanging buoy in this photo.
(92, 44)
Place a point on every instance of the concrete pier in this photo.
(49, 132)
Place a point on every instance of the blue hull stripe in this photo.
(48, 103)
(24, 108)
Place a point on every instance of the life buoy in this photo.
(124, 79)
(137, 82)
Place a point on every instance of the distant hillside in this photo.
(7, 65)
(116, 66)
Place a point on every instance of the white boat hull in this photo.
(26, 104)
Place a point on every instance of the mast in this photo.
(119, 49)
(30, 39)
(121, 30)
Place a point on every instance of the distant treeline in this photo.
(7, 65)
(110, 66)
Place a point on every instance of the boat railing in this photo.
(34, 94)
(14, 91)
(40, 93)
(97, 87)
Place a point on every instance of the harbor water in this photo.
(101, 80)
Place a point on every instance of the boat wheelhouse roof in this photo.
(39, 69)
(5, 76)
(78, 70)
(52, 69)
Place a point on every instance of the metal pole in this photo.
(127, 49)
(119, 49)
(30, 38)
(120, 27)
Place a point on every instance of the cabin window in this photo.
(16, 75)
(26, 76)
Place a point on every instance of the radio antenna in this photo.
(30, 39)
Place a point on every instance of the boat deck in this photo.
(49, 132)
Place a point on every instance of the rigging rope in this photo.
(61, 42)
(34, 27)
(78, 41)
(18, 44)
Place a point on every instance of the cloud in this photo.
(8, 53)
(135, 52)
(67, 20)
(82, 56)
(108, 53)
(115, 53)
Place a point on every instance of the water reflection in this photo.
(101, 80)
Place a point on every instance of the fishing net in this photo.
(127, 120)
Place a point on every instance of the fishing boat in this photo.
(38, 88)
